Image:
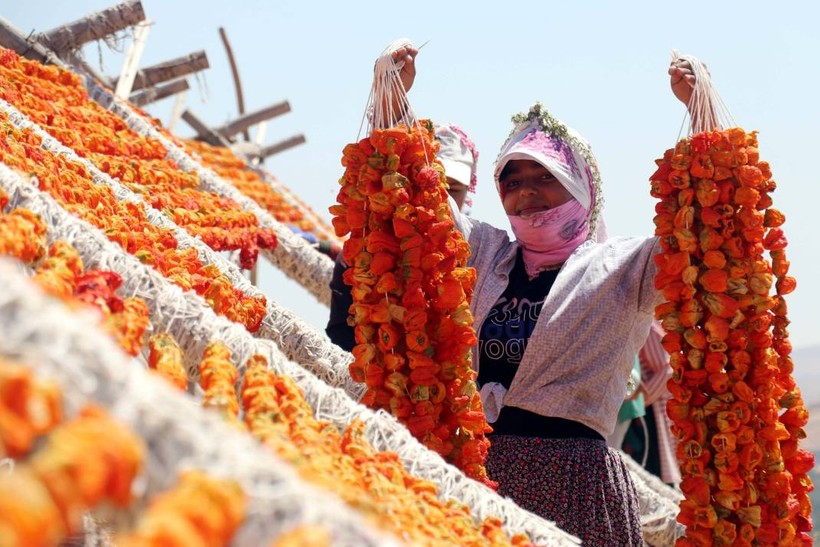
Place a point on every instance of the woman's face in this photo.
(457, 191)
(528, 187)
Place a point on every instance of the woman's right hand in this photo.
(407, 73)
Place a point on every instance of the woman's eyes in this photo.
(510, 184)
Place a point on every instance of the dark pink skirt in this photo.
(580, 484)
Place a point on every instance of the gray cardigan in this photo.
(593, 323)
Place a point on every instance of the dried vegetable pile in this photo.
(411, 292)
(737, 412)
(59, 270)
(274, 410)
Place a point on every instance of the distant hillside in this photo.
(807, 373)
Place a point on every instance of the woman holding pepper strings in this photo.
(560, 314)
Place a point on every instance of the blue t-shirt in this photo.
(503, 336)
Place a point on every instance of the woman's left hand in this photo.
(682, 80)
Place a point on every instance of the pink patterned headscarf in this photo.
(548, 238)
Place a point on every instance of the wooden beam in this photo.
(12, 38)
(170, 70)
(282, 146)
(156, 93)
(240, 99)
(95, 26)
(204, 133)
(252, 118)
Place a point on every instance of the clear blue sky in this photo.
(599, 66)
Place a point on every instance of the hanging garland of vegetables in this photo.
(411, 293)
(737, 412)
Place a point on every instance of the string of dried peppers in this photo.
(60, 272)
(737, 412)
(411, 292)
(86, 461)
(199, 510)
(165, 357)
(125, 223)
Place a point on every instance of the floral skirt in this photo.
(580, 484)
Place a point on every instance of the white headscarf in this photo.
(539, 137)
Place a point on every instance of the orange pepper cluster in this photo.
(22, 233)
(60, 273)
(199, 510)
(56, 100)
(304, 535)
(125, 223)
(737, 412)
(87, 461)
(165, 357)
(411, 293)
(217, 377)
(29, 408)
(375, 483)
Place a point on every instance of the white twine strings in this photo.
(706, 110)
(89, 367)
(197, 325)
(388, 104)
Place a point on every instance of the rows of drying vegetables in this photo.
(284, 207)
(374, 482)
(56, 100)
(737, 412)
(71, 184)
(91, 459)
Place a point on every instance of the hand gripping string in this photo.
(706, 110)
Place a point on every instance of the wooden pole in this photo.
(237, 84)
(282, 146)
(170, 70)
(204, 132)
(95, 26)
(12, 38)
(125, 83)
(159, 92)
(176, 111)
(252, 118)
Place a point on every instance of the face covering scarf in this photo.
(548, 238)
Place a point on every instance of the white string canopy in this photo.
(300, 341)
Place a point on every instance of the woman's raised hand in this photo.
(682, 80)
(407, 73)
